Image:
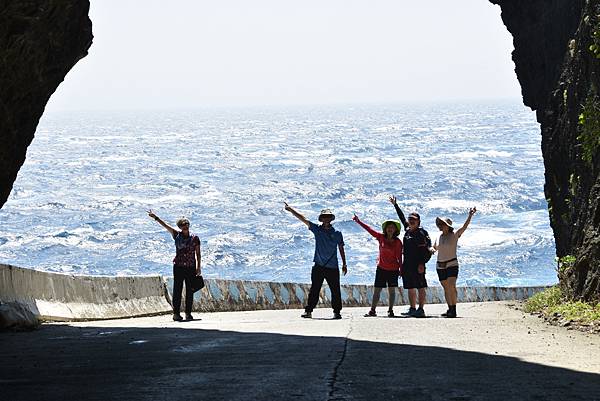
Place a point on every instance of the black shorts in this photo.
(386, 278)
(443, 274)
(411, 278)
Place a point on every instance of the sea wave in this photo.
(79, 203)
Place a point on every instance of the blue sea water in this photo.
(79, 203)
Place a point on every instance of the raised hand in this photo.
(393, 200)
(151, 214)
(287, 207)
(472, 211)
(355, 218)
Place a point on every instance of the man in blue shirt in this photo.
(327, 243)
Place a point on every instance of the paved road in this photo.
(492, 352)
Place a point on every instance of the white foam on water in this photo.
(104, 170)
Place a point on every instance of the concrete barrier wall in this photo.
(238, 295)
(55, 296)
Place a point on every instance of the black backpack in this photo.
(425, 253)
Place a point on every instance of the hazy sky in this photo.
(193, 53)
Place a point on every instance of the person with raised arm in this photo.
(417, 252)
(447, 261)
(186, 263)
(328, 241)
(389, 262)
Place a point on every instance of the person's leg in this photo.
(443, 277)
(376, 295)
(392, 284)
(422, 295)
(333, 281)
(378, 285)
(453, 295)
(447, 292)
(189, 294)
(412, 297)
(421, 282)
(447, 295)
(409, 283)
(177, 289)
(391, 298)
(316, 278)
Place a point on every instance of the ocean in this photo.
(79, 203)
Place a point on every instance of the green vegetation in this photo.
(566, 263)
(595, 26)
(549, 298)
(589, 120)
(551, 302)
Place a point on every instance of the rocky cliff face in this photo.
(557, 58)
(40, 41)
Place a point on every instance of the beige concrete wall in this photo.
(68, 297)
(237, 295)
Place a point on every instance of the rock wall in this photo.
(557, 63)
(40, 41)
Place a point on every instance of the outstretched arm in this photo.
(296, 214)
(399, 212)
(162, 223)
(464, 227)
(366, 227)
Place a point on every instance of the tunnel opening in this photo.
(229, 169)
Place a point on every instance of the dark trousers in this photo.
(181, 274)
(318, 274)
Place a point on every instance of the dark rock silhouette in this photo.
(40, 41)
(558, 68)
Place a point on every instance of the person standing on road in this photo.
(327, 243)
(186, 264)
(389, 262)
(417, 253)
(447, 261)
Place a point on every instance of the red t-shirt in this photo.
(390, 251)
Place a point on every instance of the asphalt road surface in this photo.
(491, 352)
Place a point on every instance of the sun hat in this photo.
(395, 222)
(326, 212)
(444, 220)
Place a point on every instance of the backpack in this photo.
(425, 253)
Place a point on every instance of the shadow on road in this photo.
(60, 362)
